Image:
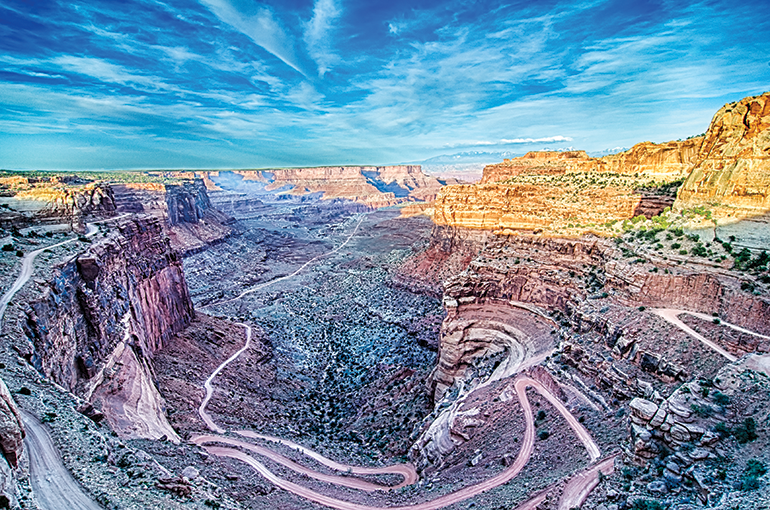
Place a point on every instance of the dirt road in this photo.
(53, 486)
(292, 275)
(527, 447)
(210, 389)
(672, 316)
(580, 486)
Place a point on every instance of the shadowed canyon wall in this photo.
(104, 315)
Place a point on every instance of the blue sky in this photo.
(245, 84)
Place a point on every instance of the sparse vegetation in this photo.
(750, 478)
(746, 431)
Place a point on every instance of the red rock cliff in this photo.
(106, 312)
(732, 174)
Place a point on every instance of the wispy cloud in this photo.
(319, 34)
(261, 27)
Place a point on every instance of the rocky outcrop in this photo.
(732, 174)
(664, 161)
(11, 428)
(103, 317)
(54, 200)
(190, 220)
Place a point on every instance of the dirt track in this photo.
(527, 447)
(53, 486)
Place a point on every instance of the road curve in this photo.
(525, 452)
(53, 486)
(210, 389)
(406, 470)
(580, 486)
(353, 483)
(672, 316)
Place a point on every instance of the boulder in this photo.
(644, 409)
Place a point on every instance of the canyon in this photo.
(570, 332)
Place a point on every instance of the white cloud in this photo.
(102, 70)
(318, 32)
(261, 27)
(537, 140)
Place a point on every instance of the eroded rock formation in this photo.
(11, 428)
(732, 174)
(190, 221)
(105, 314)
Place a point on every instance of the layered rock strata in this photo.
(663, 161)
(541, 276)
(732, 174)
(190, 220)
(103, 317)
(534, 206)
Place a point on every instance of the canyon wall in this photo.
(732, 174)
(104, 315)
(190, 220)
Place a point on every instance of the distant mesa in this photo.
(373, 186)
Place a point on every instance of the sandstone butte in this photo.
(726, 171)
(731, 175)
(374, 186)
(554, 191)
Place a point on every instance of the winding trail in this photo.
(672, 316)
(210, 389)
(525, 452)
(292, 275)
(407, 471)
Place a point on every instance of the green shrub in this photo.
(8, 247)
(721, 399)
(722, 429)
(746, 431)
(647, 504)
(543, 434)
(751, 475)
